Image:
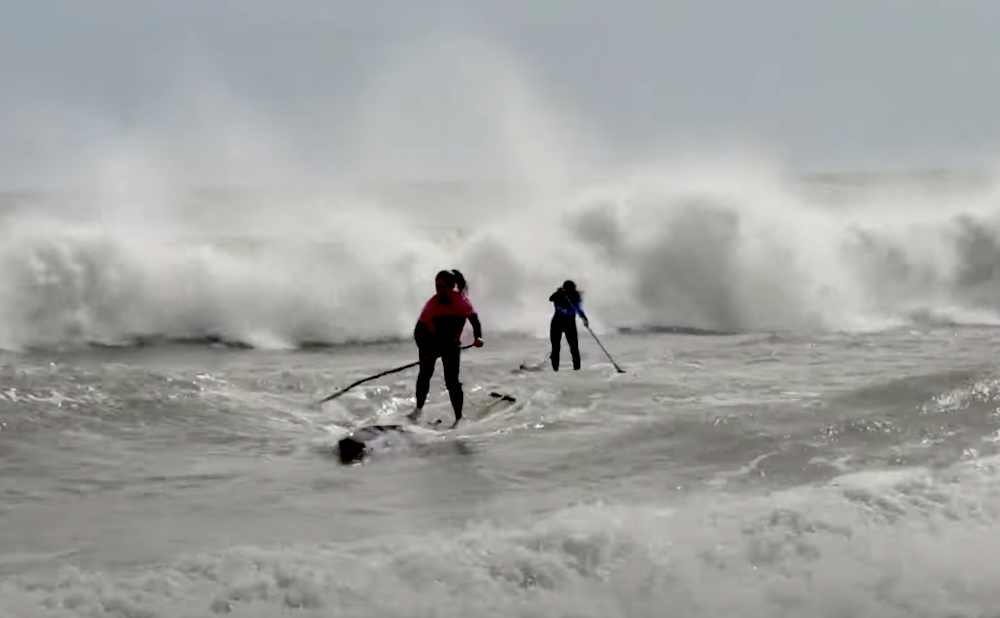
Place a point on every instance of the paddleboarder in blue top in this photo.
(567, 303)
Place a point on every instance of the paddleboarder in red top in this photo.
(437, 334)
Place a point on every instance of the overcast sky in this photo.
(840, 83)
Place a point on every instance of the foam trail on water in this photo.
(873, 544)
(457, 160)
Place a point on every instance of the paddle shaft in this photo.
(577, 310)
(620, 370)
(378, 375)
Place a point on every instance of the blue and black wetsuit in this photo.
(564, 322)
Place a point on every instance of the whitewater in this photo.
(808, 421)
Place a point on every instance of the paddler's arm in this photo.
(477, 329)
(420, 335)
(578, 307)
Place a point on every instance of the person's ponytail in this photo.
(459, 281)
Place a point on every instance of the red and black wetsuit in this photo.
(438, 333)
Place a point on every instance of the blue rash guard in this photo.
(565, 306)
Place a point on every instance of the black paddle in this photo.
(620, 370)
(378, 375)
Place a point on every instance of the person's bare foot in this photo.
(415, 415)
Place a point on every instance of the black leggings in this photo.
(564, 324)
(450, 360)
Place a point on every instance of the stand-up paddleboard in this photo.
(359, 443)
(354, 447)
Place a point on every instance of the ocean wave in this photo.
(692, 256)
(875, 544)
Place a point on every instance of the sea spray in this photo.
(488, 174)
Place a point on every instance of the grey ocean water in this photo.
(224, 215)
(807, 425)
(751, 475)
